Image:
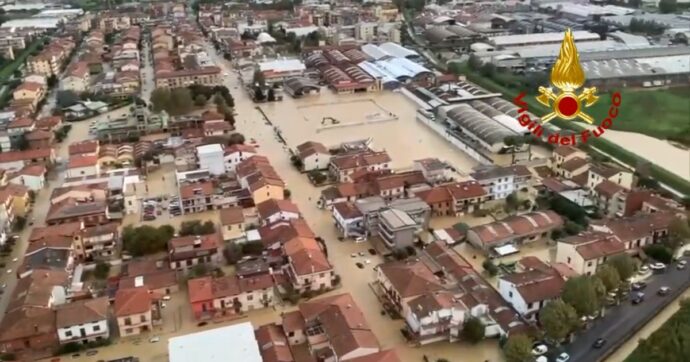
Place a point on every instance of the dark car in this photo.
(637, 298)
(360, 265)
(638, 285)
(372, 251)
(600, 342)
(663, 291)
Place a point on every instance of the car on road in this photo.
(643, 269)
(359, 265)
(539, 349)
(9, 271)
(167, 297)
(658, 267)
(15, 260)
(361, 253)
(353, 255)
(637, 298)
(154, 339)
(600, 342)
(638, 285)
(372, 251)
(681, 264)
(663, 291)
(563, 357)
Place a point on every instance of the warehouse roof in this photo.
(479, 124)
(397, 50)
(375, 52)
(541, 38)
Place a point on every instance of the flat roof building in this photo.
(236, 342)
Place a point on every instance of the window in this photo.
(96, 328)
(510, 294)
(589, 263)
(250, 297)
(128, 321)
(291, 334)
(68, 333)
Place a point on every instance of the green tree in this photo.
(678, 233)
(200, 100)
(473, 330)
(181, 101)
(512, 202)
(490, 267)
(518, 348)
(199, 270)
(252, 248)
(236, 139)
(559, 319)
(585, 294)
(161, 99)
(668, 6)
(659, 252)
(146, 239)
(102, 270)
(624, 264)
(608, 276)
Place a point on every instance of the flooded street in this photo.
(659, 152)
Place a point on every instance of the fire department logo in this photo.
(567, 77)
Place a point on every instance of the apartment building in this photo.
(83, 321)
(185, 252)
(137, 310)
(212, 297)
(500, 181)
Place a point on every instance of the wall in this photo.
(91, 334)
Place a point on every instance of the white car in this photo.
(154, 339)
(367, 261)
(563, 357)
(167, 297)
(9, 271)
(540, 350)
(657, 266)
(15, 260)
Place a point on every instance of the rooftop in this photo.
(215, 345)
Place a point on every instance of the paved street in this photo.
(619, 323)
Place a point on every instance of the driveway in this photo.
(621, 322)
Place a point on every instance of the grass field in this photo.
(658, 113)
(668, 343)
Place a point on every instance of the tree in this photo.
(102, 270)
(487, 70)
(146, 239)
(568, 209)
(473, 330)
(181, 101)
(558, 319)
(236, 139)
(585, 294)
(200, 100)
(608, 276)
(160, 98)
(624, 264)
(252, 248)
(195, 227)
(474, 62)
(199, 270)
(490, 267)
(659, 252)
(232, 253)
(518, 348)
(512, 202)
(678, 233)
(66, 98)
(668, 6)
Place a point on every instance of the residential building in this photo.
(500, 181)
(152, 273)
(600, 172)
(639, 230)
(196, 197)
(15, 200)
(84, 148)
(307, 266)
(258, 176)
(273, 210)
(38, 139)
(342, 167)
(212, 298)
(397, 229)
(586, 251)
(29, 331)
(232, 224)
(433, 169)
(333, 327)
(458, 198)
(208, 76)
(235, 154)
(71, 210)
(187, 251)
(211, 158)
(99, 242)
(530, 290)
(137, 310)
(30, 91)
(16, 160)
(80, 166)
(77, 77)
(83, 321)
(563, 154)
(32, 176)
(348, 219)
(273, 344)
(514, 230)
(313, 155)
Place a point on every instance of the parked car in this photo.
(359, 265)
(638, 285)
(663, 291)
(563, 357)
(658, 267)
(540, 349)
(372, 251)
(154, 339)
(681, 264)
(600, 342)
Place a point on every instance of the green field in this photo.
(669, 343)
(662, 113)
(19, 59)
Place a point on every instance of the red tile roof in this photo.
(410, 278)
(76, 161)
(83, 147)
(133, 301)
(231, 216)
(535, 285)
(271, 207)
(306, 256)
(517, 226)
(273, 344)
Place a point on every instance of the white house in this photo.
(600, 172)
(273, 210)
(529, 291)
(586, 251)
(83, 321)
(32, 176)
(314, 156)
(348, 219)
(211, 158)
(236, 154)
(499, 182)
(80, 166)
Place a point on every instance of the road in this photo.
(619, 323)
(146, 69)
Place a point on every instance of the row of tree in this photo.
(582, 296)
(179, 101)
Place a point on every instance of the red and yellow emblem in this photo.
(567, 75)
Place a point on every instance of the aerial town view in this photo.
(345, 180)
